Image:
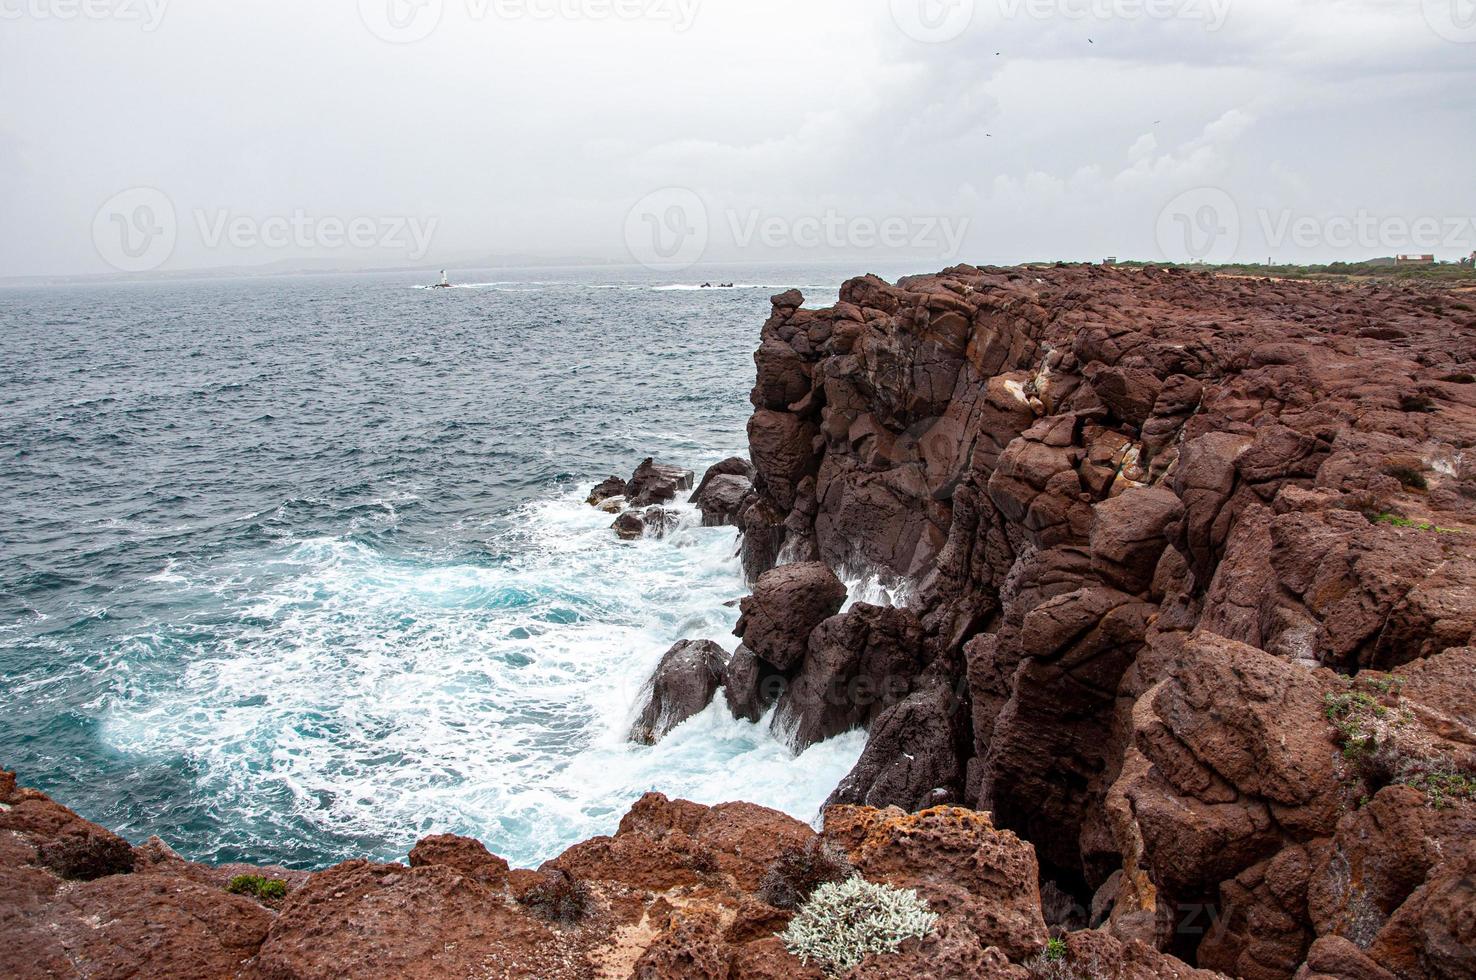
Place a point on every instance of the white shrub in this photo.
(844, 921)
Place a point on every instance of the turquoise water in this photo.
(297, 570)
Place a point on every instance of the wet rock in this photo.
(629, 526)
(787, 603)
(720, 498)
(858, 664)
(911, 758)
(750, 685)
(655, 483)
(658, 521)
(612, 487)
(683, 685)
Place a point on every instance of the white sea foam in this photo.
(390, 698)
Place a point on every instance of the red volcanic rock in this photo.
(360, 919)
(132, 925)
(1147, 526)
(787, 603)
(470, 857)
(955, 859)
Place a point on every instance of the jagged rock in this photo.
(721, 497)
(655, 483)
(750, 685)
(957, 860)
(858, 664)
(658, 521)
(787, 603)
(763, 536)
(629, 526)
(911, 759)
(613, 487)
(683, 685)
(470, 857)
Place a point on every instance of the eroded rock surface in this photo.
(1150, 522)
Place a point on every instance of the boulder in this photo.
(629, 526)
(470, 857)
(750, 685)
(613, 487)
(683, 685)
(911, 757)
(957, 860)
(787, 603)
(720, 498)
(858, 664)
(655, 483)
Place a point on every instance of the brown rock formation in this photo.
(1147, 518)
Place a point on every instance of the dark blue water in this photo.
(298, 570)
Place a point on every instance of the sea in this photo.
(298, 569)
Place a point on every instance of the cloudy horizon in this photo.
(144, 136)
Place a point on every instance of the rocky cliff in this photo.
(1191, 591)
(1183, 674)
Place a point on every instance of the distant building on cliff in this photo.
(1110, 260)
(1414, 260)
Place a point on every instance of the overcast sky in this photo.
(178, 134)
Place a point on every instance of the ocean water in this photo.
(298, 569)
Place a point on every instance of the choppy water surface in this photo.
(298, 570)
